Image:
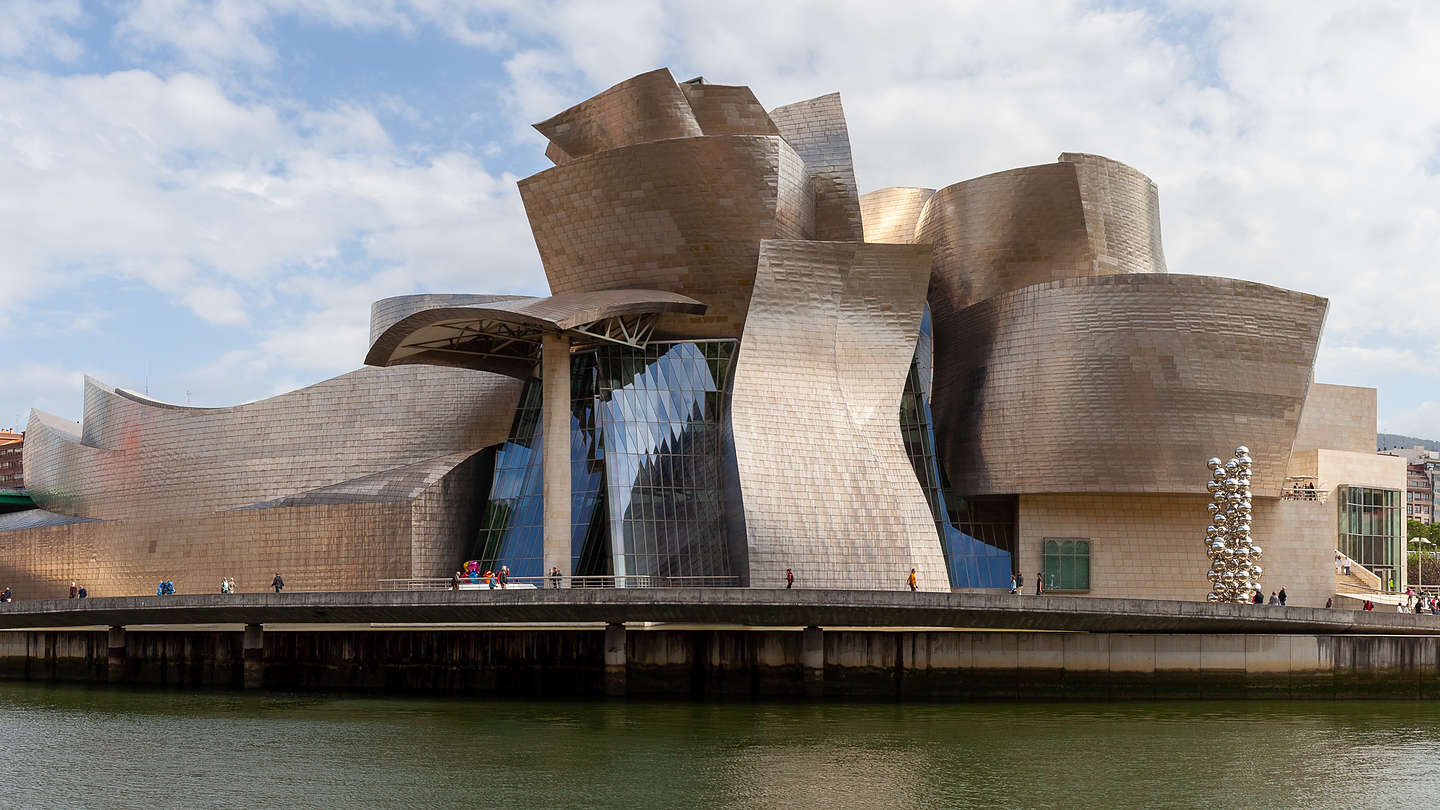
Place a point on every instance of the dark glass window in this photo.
(1067, 564)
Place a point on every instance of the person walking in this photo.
(1019, 583)
(83, 593)
(1039, 582)
(278, 582)
(912, 581)
(1329, 602)
(1012, 583)
(1282, 595)
(6, 595)
(73, 589)
(1368, 605)
(1274, 599)
(789, 579)
(455, 582)
(1259, 597)
(555, 577)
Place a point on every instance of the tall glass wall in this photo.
(1372, 530)
(645, 467)
(977, 538)
(661, 412)
(512, 527)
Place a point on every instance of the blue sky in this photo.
(202, 197)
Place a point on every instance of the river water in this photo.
(76, 746)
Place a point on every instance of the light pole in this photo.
(1420, 562)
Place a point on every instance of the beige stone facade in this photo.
(1149, 546)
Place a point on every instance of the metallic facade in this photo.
(134, 458)
(827, 490)
(1153, 369)
(745, 367)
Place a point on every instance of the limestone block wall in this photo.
(1338, 417)
(1150, 546)
(1332, 468)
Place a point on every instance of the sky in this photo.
(199, 199)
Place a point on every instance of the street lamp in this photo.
(1420, 563)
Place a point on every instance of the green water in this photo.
(71, 746)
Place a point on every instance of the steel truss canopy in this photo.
(503, 333)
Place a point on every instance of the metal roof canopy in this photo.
(505, 336)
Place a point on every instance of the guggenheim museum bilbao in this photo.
(746, 366)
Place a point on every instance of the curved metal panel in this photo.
(890, 214)
(817, 131)
(1122, 383)
(827, 490)
(648, 107)
(683, 215)
(1004, 231)
(723, 109)
(1122, 214)
(168, 461)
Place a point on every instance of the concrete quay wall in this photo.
(548, 662)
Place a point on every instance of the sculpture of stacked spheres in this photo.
(1234, 558)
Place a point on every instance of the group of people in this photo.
(1300, 492)
(165, 588)
(227, 586)
(1017, 582)
(493, 579)
(76, 591)
(1342, 564)
(912, 581)
(1276, 597)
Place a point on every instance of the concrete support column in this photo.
(812, 660)
(253, 649)
(615, 681)
(115, 662)
(555, 412)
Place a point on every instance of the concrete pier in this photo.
(253, 653)
(115, 659)
(812, 661)
(616, 670)
(555, 452)
(616, 660)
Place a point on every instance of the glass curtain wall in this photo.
(645, 467)
(1372, 530)
(977, 547)
(512, 527)
(661, 412)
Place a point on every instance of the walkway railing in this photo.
(528, 583)
(1299, 493)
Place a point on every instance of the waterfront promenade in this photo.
(728, 607)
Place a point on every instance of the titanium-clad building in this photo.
(744, 367)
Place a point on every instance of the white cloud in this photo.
(33, 30)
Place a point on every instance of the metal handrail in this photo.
(1303, 494)
(466, 583)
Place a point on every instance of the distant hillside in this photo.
(1385, 441)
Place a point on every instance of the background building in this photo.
(12, 460)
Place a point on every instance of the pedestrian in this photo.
(1019, 583)
(1012, 583)
(1259, 597)
(82, 593)
(277, 583)
(73, 589)
(1329, 602)
(1347, 566)
(504, 576)
(455, 582)
(1274, 598)
(912, 580)
(6, 595)
(490, 579)
(1039, 582)
(233, 588)
(160, 588)
(169, 587)
(224, 585)
(555, 577)
(1368, 605)
(1337, 564)
(1282, 595)
(1399, 608)
(789, 579)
